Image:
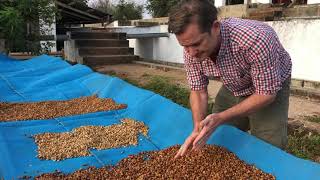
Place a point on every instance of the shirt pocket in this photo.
(237, 80)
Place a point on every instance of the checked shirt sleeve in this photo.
(195, 76)
(265, 64)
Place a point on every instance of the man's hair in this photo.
(185, 12)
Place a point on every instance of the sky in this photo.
(145, 15)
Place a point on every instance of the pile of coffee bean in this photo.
(78, 142)
(54, 109)
(211, 162)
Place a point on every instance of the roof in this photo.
(73, 12)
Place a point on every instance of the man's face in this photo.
(200, 44)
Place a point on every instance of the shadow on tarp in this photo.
(50, 78)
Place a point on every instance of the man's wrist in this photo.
(197, 128)
(220, 118)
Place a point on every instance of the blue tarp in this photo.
(50, 78)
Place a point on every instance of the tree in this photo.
(21, 21)
(103, 5)
(127, 11)
(160, 8)
(11, 20)
(84, 2)
(121, 11)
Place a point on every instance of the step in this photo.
(109, 59)
(86, 51)
(98, 35)
(101, 43)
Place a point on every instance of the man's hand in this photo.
(198, 139)
(207, 126)
(200, 136)
(187, 144)
(199, 106)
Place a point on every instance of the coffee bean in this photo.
(78, 142)
(211, 162)
(54, 109)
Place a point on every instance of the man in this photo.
(250, 61)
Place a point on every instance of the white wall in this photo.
(162, 49)
(313, 2)
(262, 1)
(219, 3)
(169, 49)
(301, 38)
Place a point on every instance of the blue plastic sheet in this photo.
(50, 78)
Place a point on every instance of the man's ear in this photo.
(215, 27)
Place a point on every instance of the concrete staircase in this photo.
(98, 48)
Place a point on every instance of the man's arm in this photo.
(199, 106)
(245, 108)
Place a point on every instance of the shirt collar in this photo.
(224, 39)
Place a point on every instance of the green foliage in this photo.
(85, 2)
(160, 8)
(21, 21)
(133, 82)
(164, 87)
(169, 90)
(127, 11)
(46, 47)
(314, 118)
(121, 11)
(103, 5)
(304, 144)
(11, 20)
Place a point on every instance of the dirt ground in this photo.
(299, 106)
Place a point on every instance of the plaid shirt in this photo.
(251, 60)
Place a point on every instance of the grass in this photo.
(314, 118)
(162, 86)
(131, 81)
(167, 88)
(304, 144)
(300, 143)
(111, 73)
